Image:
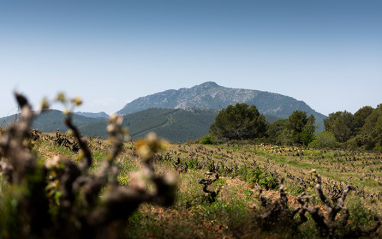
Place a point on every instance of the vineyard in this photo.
(56, 185)
(249, 184)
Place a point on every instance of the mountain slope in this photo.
(51, 120)
(210, 95)
(176, 125)
(99, 115)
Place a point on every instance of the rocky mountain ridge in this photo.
(99, 115)
(210, 95)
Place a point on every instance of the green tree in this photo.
(341, 125)
(239, 122)
(370, 136)
(299, 129)
(360, 117)
(275, 129)
(296, 122)
(307, 134)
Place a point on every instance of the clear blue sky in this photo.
(327, 53)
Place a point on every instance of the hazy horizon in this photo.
(325, 53)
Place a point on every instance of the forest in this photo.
(246, 179)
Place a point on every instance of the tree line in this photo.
(361, 130)
(342, 128)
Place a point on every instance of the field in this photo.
(233, 214)
(241, 195)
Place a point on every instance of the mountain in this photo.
(51, 120)
(177, 115)
(100, 115)
(210, 95)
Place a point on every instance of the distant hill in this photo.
(100, 115)
(51, 120)
(210, 95)
(176, 125)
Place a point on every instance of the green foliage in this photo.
(324, 139)
(239, 122)
(370, 135)
(341, 125)
(258, 176)
(276, 128)
(208, 139)
(360, 117)
(296, 122)
(299, 129)
(284, 138)
(361, 130)
(307, 134)
(359, 214)
(263, 179)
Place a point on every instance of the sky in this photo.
(327, 53)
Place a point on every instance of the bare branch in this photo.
(85, 164)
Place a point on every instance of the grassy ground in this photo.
(235, 212)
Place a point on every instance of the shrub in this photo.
(208, 139)
(324, 139)
(263, 179)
